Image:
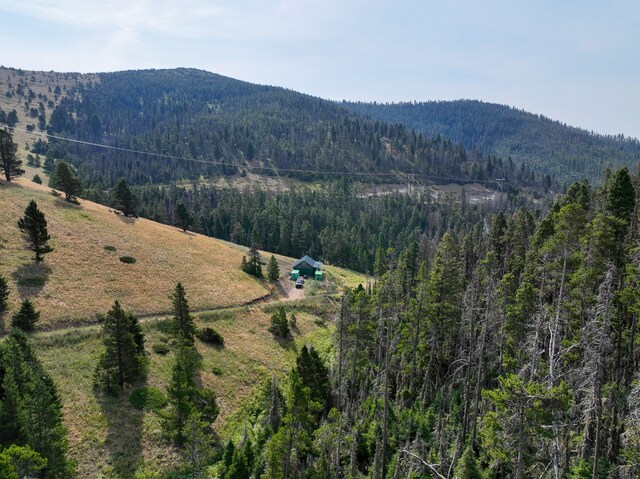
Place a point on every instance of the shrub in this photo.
(110, 249)
(148, 397)
(167, 326)
(217, 371)
(127, 259)
(279, 324)
(161, 348)
(210, 336)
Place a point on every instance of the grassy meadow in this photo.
(84, 275)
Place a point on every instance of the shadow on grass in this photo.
(202, 403)
(287, 343)
(124, 432)
(128, 220)
(31, 278)
(62, 203)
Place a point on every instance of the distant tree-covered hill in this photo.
(229, 126)
(545, 145)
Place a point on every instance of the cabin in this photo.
(308, 267)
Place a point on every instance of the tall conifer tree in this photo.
(121, 363)
(34, 229)
(181, 315)
(64, 179)
(9, 161)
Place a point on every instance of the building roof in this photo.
(309, 260)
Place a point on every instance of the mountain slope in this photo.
(546, 146)
(229, 127)
(108, 437)
(83, 275)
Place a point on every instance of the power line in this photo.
(401, 176)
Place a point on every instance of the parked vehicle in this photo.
(299, 282)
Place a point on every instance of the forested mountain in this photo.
(336, 223)
(510, 352)
(544, 145)
(229, 126)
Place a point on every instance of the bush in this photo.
(210, 336)
(161, 348)
(148, 397)
(127, 259)
(279, 324)
(167, 326)
(110, 249)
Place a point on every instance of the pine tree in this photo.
(4, 294)
(293, 321)
(314, 374)
(34, 229)
(467, 467)
(197, 445)
(64, 179)
(26, 317)
(18, 462)
(254, 265)
(8, 160)
(49, 164)
(181, 315)
(30, 408)
(273, 271)
(121, 363)
(183, 217)
(123, 199)
(36, 179)
(181, 393)
(621, 195)
(279, 325)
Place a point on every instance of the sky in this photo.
(570, 60)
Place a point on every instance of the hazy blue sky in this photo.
(576, 61)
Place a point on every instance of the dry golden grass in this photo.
(80, 278)
(109, 438)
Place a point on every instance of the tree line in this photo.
(338, 223)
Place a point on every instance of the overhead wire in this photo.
(401, 176)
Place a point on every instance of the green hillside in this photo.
(544, 145)
(225, 127)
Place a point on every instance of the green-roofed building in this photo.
(308, 267)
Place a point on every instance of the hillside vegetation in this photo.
(230, 127)
(108, 436)
(84, 274)
(544, 145)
